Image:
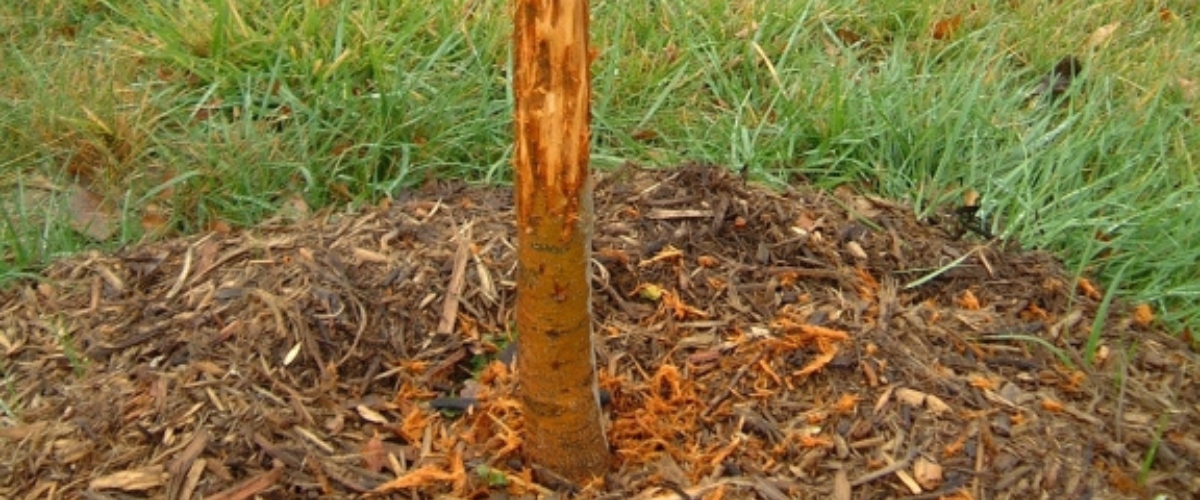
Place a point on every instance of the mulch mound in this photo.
(751, 344)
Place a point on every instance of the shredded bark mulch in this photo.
(751, 344)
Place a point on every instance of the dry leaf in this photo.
(154, 220)
(1060, 78)
(847, 37)
(1101, 35)
(219, 226)
(1189, 88)
(644, 135)
(945, 28)
(90, 215)
(373, 455)
(294, 208)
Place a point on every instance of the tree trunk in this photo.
(555, 359)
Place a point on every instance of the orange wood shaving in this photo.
(423, 476)
(868, 287)
(816, 442)
(494, 374)
(1052, 405)
(1143, 315)
(816, 417)
(968, 301)
(816, 364)
(1075, 381)
(412, 428)
(957, 446)
(1033, 312)
(668, 376)
(667, 254)
(1088, 289)
(846, 404)
(413, 366)
(679, 309)
(981, 382)
(719, 457)
(766, 368)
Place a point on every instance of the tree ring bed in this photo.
(752, 344)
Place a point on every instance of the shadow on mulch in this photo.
(753, 344)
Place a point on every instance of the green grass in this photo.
(190, 114)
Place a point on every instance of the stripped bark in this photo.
(555, 358)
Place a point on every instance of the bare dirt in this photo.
(751, 344)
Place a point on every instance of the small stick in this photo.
(876, 474)
(458, 279)
(737, 377)
(183, 273)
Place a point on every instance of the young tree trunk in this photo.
(555, 359)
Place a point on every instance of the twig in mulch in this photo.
(184, 271)
(252, 486)
(897, 466)
(458, 279)
(733, 382)
(182, 479)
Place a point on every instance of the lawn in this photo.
(125, 120)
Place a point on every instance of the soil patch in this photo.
(752, 344)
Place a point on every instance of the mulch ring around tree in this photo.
(751, 344)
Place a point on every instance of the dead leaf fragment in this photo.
(294, 208)
(373, 455)
(935, 405)
(1101, 35)
(910, 397)
(370, 415)
(90, 215)
(927, 473)
(1190, 89)
(945, 28)
(644, 135)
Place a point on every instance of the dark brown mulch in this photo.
(754, 344)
